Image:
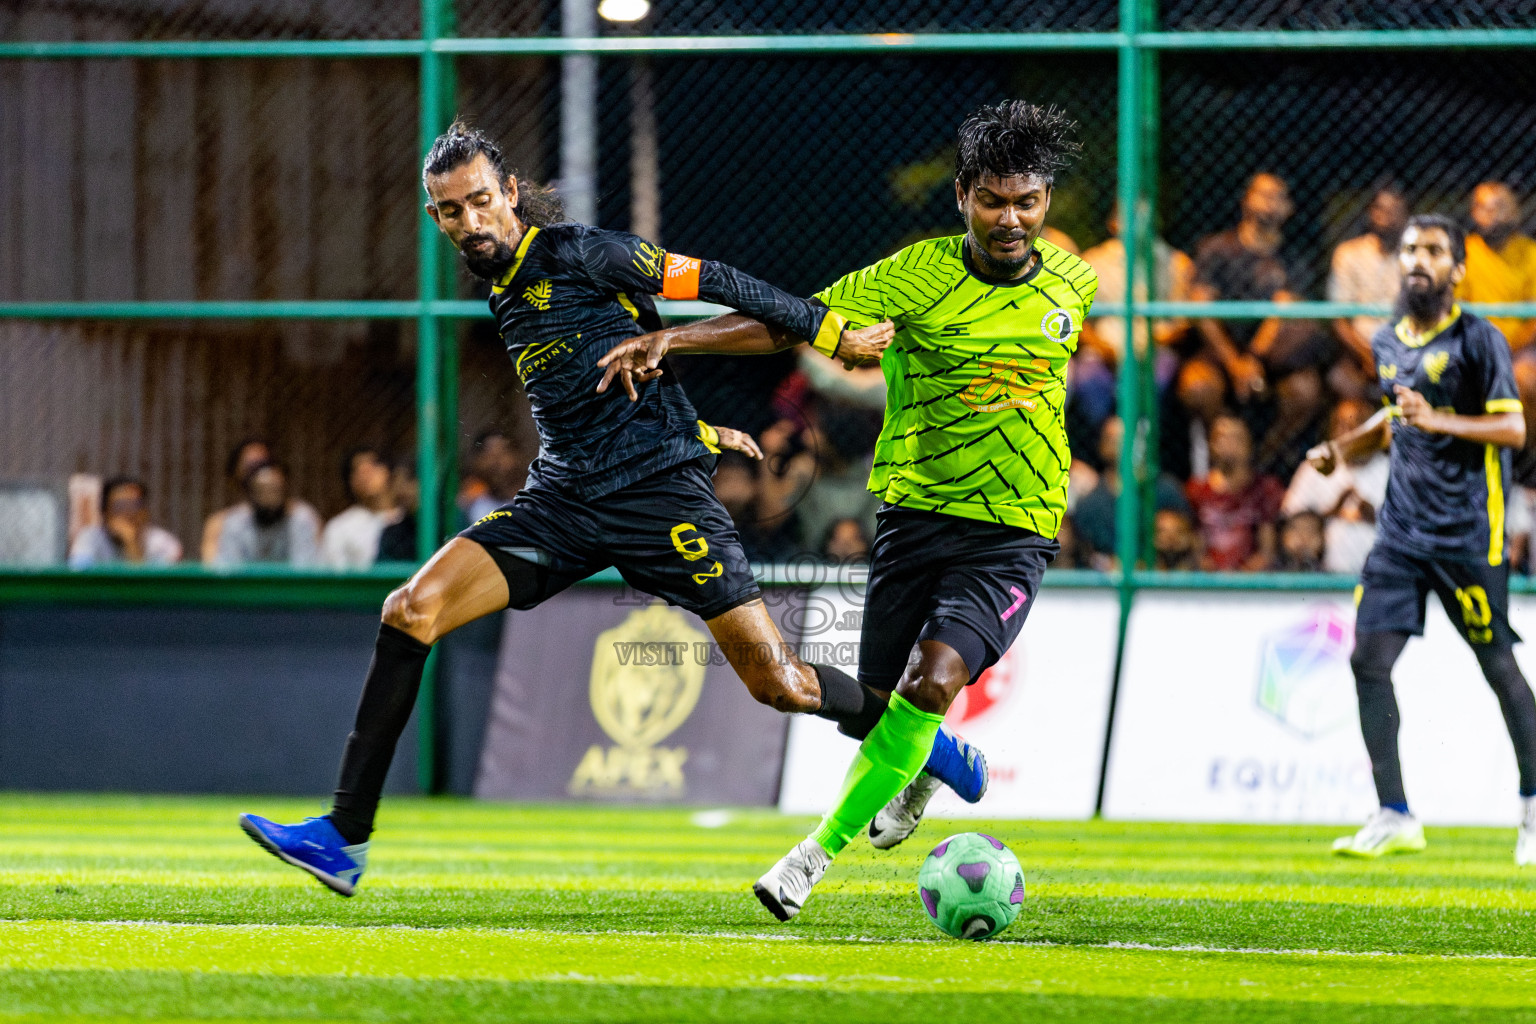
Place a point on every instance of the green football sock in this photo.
(890, 757)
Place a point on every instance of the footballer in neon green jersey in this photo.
(975, 379)
(971, 462)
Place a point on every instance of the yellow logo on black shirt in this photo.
(1388, 371)
(538, 294)
(1434, 365)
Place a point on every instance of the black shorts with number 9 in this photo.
(1395, 584)
(668, 535)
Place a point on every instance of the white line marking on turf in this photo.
(1144, 947)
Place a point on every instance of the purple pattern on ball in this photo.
(975, 875)
(938, 851)
(931, 901)
(1018, 890)
(989, 839)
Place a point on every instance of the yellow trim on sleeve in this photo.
(1492, 468)
(710, 436)
(517, 261)
(830, 335)
(1503, 405)
(629, 305)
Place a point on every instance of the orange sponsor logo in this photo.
(1004, 385)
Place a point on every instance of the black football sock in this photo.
(389, 693)
(1375, 654)
(1519, 707)
(844, 700)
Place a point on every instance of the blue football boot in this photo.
(314, 845)
(953, 762)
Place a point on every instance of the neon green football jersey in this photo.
(976, 380)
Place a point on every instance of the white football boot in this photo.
(1387, 831)
(1525, 845)
(898, 819)
(787, 885)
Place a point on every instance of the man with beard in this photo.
(971, 462)
(1441, 526)
(1365, 269)
(616, 483)
(271, 525)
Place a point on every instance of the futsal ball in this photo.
(971, 886)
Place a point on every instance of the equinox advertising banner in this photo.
(1038, 714)
(1241, 707)
(606, 695)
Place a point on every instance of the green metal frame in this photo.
(1137, 46)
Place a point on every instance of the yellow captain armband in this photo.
(710, 436)
(1503, 405)
(830, 335)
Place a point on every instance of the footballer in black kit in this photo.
(1451, 430)
(616, 483)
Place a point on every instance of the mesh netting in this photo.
(208, 19)
(1346, 14)
(239, 179)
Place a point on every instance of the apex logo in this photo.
(1388, 371)
(1434, 365)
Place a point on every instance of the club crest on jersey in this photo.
(1058, 324)
(1434, 365)
(538, 294)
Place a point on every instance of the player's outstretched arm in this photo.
(639, 359)
(1374, 435)
(1505, 429)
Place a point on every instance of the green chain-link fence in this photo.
(200, 250)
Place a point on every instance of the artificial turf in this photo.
(125, 908)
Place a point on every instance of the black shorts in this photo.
(963, 582)
(1395, 583)
(668, 535)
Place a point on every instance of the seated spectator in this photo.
(1175, 543)
(245, 456)
(398, 542)
(351, 539)
(1347, 499)
(269, 526)
(1101, 346)
(496, 473)
(846, 542)
(1301, 543)
(1365, 269)
(1068, 555)
(1095, 517)
(1251, 358)
(124, 535)
(821, 474)
(1501, 267)
(1235, 506)
(736, 485)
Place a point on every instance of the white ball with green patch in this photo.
(971, 885)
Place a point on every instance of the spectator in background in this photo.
(737, 487)
(1235, 506)
(846, 542)
(245, 456)
(1347, 499)
(1365, 269)
(1301, 543)
(1101, 346)
(497, 472)
(1175, 542)
(820, 473)
(269, 526)
(351, 539)
(124, 535)
(1095, 517)
(1501, 267)
(1251, 357)
(398, 541)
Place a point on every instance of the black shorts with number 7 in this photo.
(1395, 584)
(668, 535)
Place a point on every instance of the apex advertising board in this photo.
(1039, 714)
(1238, 707)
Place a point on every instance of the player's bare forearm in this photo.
(731, 334)
(1372, 436)
(1505, 429)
